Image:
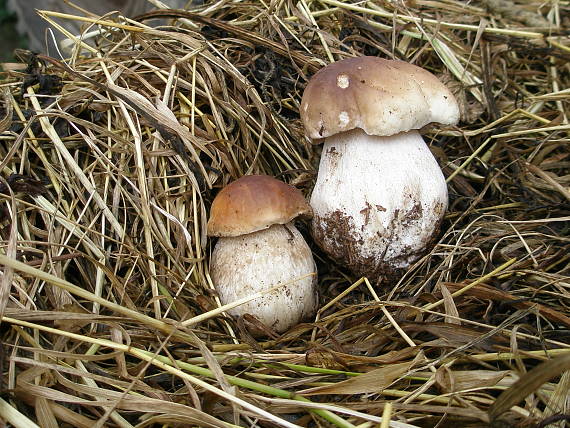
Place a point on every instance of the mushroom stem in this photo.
(254, 262)
(378, 201)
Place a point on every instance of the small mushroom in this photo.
(259, 247)
(380, 195)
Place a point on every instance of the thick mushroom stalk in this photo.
(378, 201)
(244, 265)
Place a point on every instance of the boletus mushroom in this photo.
(259, 247)
(380, 195)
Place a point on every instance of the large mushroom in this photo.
(259, 247)
(380, 195)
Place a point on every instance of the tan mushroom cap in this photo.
(382, 97)
(255, 202)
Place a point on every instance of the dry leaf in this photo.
(528, 384)
(449, 304)
(371, 382)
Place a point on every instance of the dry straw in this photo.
(113, 149)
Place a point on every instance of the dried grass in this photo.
(112, 153)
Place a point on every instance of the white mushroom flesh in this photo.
(244, 265)
(378, 201)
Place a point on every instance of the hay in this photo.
(112, 155)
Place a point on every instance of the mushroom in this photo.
(259, 247)
(380, 195)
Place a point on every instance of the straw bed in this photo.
(114, 148)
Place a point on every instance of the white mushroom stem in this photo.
(244, 265)
(378, 201)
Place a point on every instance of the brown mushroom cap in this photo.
(382, 97)
(255, 202)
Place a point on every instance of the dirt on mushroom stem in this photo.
(374, 268)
